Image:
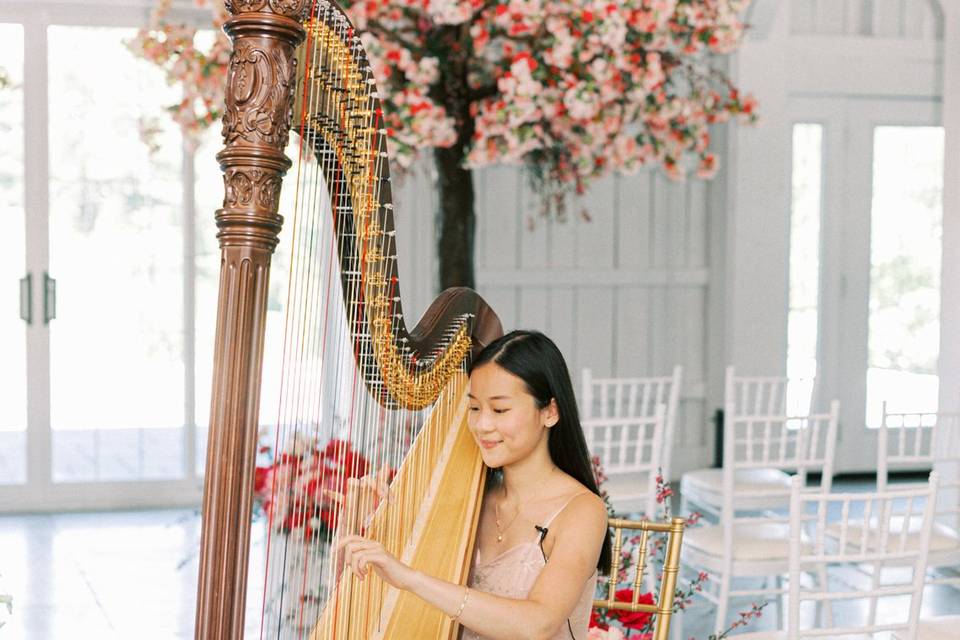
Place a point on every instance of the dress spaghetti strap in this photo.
(564, 506)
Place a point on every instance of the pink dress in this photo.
(511, 574)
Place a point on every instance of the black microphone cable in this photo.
(543, 534)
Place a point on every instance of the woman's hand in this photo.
(361, 554)
(362, 498)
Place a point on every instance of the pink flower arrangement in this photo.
(200, 71)
(571, 89)
(294, 489)
(598, 633)
(618, 624)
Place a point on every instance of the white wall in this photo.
(624, 294)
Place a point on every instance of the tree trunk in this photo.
(456, 219)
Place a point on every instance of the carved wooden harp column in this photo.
(256, 127)
(408, 366)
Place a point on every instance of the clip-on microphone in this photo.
(542, 530)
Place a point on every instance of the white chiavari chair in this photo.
(827, 542)
(748, 542)
(638, 396)
(924, 440)
(927, 441)
(750, 397)
(630, 449)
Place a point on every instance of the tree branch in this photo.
(380, 31)
(481, 93)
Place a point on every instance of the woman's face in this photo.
(503, 416)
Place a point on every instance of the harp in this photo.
(346, 342)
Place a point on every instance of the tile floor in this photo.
(109, 575)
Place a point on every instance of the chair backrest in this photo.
(605, 398)
(924, 440)
(662, 608)
(632, 446)
(916, 440)
(789, 443)
(832, 534)
(766, 395)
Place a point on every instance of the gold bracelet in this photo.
(463, 603)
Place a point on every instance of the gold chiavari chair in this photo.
(662, 609)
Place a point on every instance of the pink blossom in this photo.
(596, 633)
(572, 88)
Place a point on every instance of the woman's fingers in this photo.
(382, 486)
(358, 552)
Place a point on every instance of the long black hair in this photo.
(535, 359)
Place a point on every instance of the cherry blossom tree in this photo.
(571, 90)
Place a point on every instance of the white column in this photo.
(949, 363)
(758, 205)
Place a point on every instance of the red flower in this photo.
(260, 477)
(632, 619)
(597, 621)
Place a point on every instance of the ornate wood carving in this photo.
(259, 99)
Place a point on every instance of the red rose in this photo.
(632, 619)
(260, 477)
(597, 621)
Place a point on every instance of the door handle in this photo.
(49, 298)
(26, 299)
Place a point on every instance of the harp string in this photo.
(278, 500)
(325, 363)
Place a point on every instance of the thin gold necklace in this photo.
(496, 512)
(500, 531)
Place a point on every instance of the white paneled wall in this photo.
(909, 19)
(624, 293)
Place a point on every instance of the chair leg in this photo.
(875, 584)
(781, 623)
(720, 623)
(826, 607)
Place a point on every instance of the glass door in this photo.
(906, 221)
(97, 335)
(873, 197)
(16, 284)
(117, 256)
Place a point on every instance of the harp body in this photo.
(439, 481)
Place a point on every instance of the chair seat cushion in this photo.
(939, 628)
(752, 480)
(628, 485)
(754, 489)
(630, 493)
(942, 537)
(754, 541)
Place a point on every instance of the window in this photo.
(803, 315)
(906, 220)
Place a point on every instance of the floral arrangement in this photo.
(569, 88)
(201, 71)
(620, 624)
(295, 488)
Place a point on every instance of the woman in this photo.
(542, 534)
